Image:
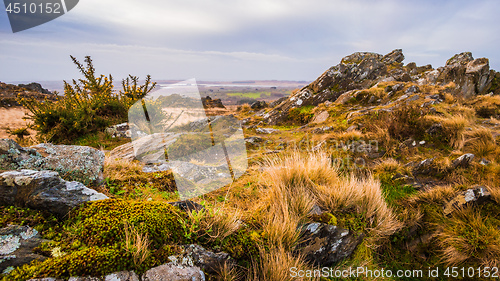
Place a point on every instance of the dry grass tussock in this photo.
(453, 128)
(299, 181)
(275, 265)
(469, 237)
(216, 222)
(480, 142)
(390, 165)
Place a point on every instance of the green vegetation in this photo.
(302, 114)
(88, 106)
(250, 95)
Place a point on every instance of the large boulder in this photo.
(44, 190)
(325, 245)
(357, 71)
(72, 162)
(17, 244)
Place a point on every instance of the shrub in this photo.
(88, 106)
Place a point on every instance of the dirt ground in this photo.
(11, 118)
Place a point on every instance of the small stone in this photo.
(475, 195)
(463, 161)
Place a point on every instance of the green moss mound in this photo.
(101, 223)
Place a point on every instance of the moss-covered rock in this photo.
(102, 223)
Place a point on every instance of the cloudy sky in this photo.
(244, 39)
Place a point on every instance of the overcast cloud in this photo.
(244, 39)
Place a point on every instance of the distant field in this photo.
(252, 95)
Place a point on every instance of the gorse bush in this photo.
(89, 105)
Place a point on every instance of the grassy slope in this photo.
(404, 225)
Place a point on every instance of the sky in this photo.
(228, 40)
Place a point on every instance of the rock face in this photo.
(171, 272)
(325, 245)
(356, 71)
(472, 76)
(17, 244)
(44, 190)
(475, 195)
(362, 70)
(78, 163)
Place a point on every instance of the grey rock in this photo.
(484, 162)
(208, 102)
(86, 278)
(122, 276)
(187, 205)
(463, 161)
(474, 195)
(412, 89)
(266, 130)
(44, 190)
(119, 131)
(324, 244)
(149, 149)
(398, 87)
(320, 117)
(36, 87)
(395, 56)
(471, 76)
(258, 105)
(171, 272)
(424, 167)
(253, 140)
(196, 255)
(17, 244)
(277, 102)
(435, 129)
(78, 163)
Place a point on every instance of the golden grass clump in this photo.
(453, 128)
(390, 165)
(480, 142)
(221, 222)
(278, 264)
(469, 237)
(297, 182)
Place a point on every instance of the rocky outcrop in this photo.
(44, 190)
(357, 71)
(208, 102)
(325, 245)
(471, 76)
(17, 244)
(362, 70)
(72, 162)
(36, 87)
